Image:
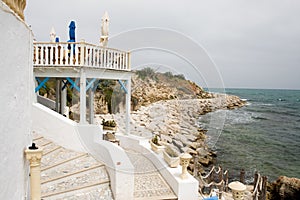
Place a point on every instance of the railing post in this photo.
(263, 191)
(184, 162)
(82, 96)
(128, 105)
(242, 176)
(220, 174)
(128, 61)
(226, 181)
(255, 178)
(34, 155)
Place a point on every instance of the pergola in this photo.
(68, 62)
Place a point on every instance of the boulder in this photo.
(285, 188)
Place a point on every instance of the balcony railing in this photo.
(79, 54)
(17, 6)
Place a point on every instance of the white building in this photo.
(21, 61)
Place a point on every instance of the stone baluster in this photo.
(238, 189)
(184, 162)
(34, 155)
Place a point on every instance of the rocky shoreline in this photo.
(176, 122)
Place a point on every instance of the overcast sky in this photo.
(253, 43)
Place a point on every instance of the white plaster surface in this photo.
(15, 103)
(87, 138)
(56, 127)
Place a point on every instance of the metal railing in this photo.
(79, 54)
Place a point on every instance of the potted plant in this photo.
(171, 157)
(109, 125)
(155, 145)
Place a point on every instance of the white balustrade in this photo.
(79, 54)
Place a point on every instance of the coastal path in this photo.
(148, 182)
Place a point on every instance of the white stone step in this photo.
(86, 179)
(96, 192)
(41, 141)
(58, 157)
(70, 175)
(78, 165)
(47, 145)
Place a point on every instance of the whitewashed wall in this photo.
(16, 92)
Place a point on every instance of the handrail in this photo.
(79, 54)
(86, 43)
(208, 181)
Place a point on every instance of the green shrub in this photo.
(146, 72)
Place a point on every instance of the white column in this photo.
(128, 105)
(91, 105)
(63, 99)
(57, 94)
(34, 156)
(82, 96)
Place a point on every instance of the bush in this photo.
(155, 140)
(109, 123)
(180, 76)
(168, 74)
(146, 72)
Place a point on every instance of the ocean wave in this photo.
(248, 103)
(281, 99)
(259, 117)
(265, 104)
(227, 117)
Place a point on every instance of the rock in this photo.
(175, 149)
(166, 138)
(202, 152)
(194, 145)
(189, 150)
(177, 143)
(152, 126)
(285, 189)
(205, 161)
(191, 138)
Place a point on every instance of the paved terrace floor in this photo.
(148, 182)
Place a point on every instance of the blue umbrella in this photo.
(72, 35)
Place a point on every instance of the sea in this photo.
(263, 136)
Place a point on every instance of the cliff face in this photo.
(147, 87)
(163, 86)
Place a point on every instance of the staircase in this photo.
(71, 175)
